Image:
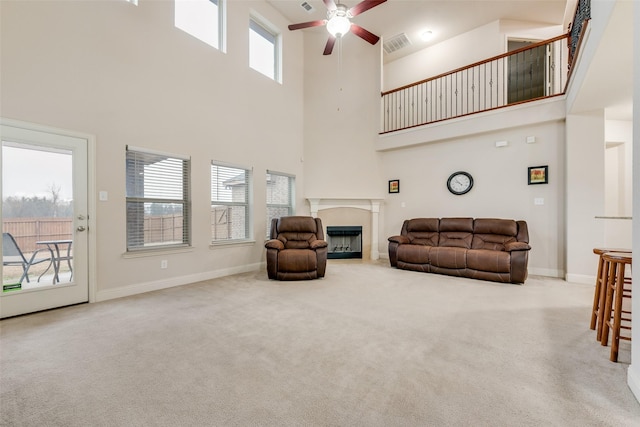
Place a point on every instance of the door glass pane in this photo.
(37, 216)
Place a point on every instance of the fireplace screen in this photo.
(344, 242)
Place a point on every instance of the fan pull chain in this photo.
(339, 72)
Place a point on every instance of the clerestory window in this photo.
(203, 19)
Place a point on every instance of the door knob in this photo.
(81, 228)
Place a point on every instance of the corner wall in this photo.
(634, 369)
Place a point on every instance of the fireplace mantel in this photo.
(369, 204)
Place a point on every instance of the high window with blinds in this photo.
(158, 203)
(231, 188)
(280, 196)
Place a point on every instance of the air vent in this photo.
(306, 6)
(396, 42)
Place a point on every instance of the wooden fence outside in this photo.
(28, 231)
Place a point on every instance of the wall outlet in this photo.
(164, 263)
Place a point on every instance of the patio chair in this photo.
(12, 255)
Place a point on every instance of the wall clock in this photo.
(460, 183)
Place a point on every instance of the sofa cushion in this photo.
(297, 261)
(414, 254)
(457, 224)
(456, 232)
(293, 240)
(448, 257)
(423, 231)
(506, 227)
(493, 242)
(489, 260)
(493, 234)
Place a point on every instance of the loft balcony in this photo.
(531, 73)
(534, 72)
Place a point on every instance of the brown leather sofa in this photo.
(483, 248)
(297, 249)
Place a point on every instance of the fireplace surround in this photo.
(370, 232)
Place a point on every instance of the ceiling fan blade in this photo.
(329, 47)
(364, 5)
(331, 4)
(364, 34)
(307, 24)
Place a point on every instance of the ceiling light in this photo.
(339, 23)
(427, 35)
(338, 26)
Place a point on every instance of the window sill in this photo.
(155, 252)
(227, 243)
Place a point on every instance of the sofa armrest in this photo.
(318, 244)
(516, 246)
(399, 239)
(274, 244)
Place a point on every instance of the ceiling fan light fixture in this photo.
(338, 26)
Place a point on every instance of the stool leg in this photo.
(617, 315)
(596, 295)
(610, 289)
(604, 286)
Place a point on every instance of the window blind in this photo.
(157, 199)
(230, 202)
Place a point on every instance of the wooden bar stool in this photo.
(600, 292)
(616, 290)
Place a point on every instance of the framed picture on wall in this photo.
(538, 175)
(394, 186)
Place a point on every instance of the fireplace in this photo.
(344, 242)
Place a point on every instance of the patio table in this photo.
(54, 247)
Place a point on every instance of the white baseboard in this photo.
(140, 288)
(633, 380)
(580, 278)
(546, 272)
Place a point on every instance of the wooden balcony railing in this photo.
(533, 72)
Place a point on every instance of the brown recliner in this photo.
(297, 249)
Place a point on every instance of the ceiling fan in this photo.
(338, 22)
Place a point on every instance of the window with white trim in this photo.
(203, 19)
(231, 190)
(158, 200)
(280, 196)
(263, 50)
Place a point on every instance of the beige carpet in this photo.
(366, 346)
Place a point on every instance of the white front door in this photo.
(44, 220)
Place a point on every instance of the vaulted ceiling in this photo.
(445, 18)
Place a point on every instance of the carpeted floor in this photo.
(366, 346)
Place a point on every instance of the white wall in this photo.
(619, 171)
(476, 45)
(634, 369)
(124, 74)
(585, 194)
(341, 98)
(500, 185)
